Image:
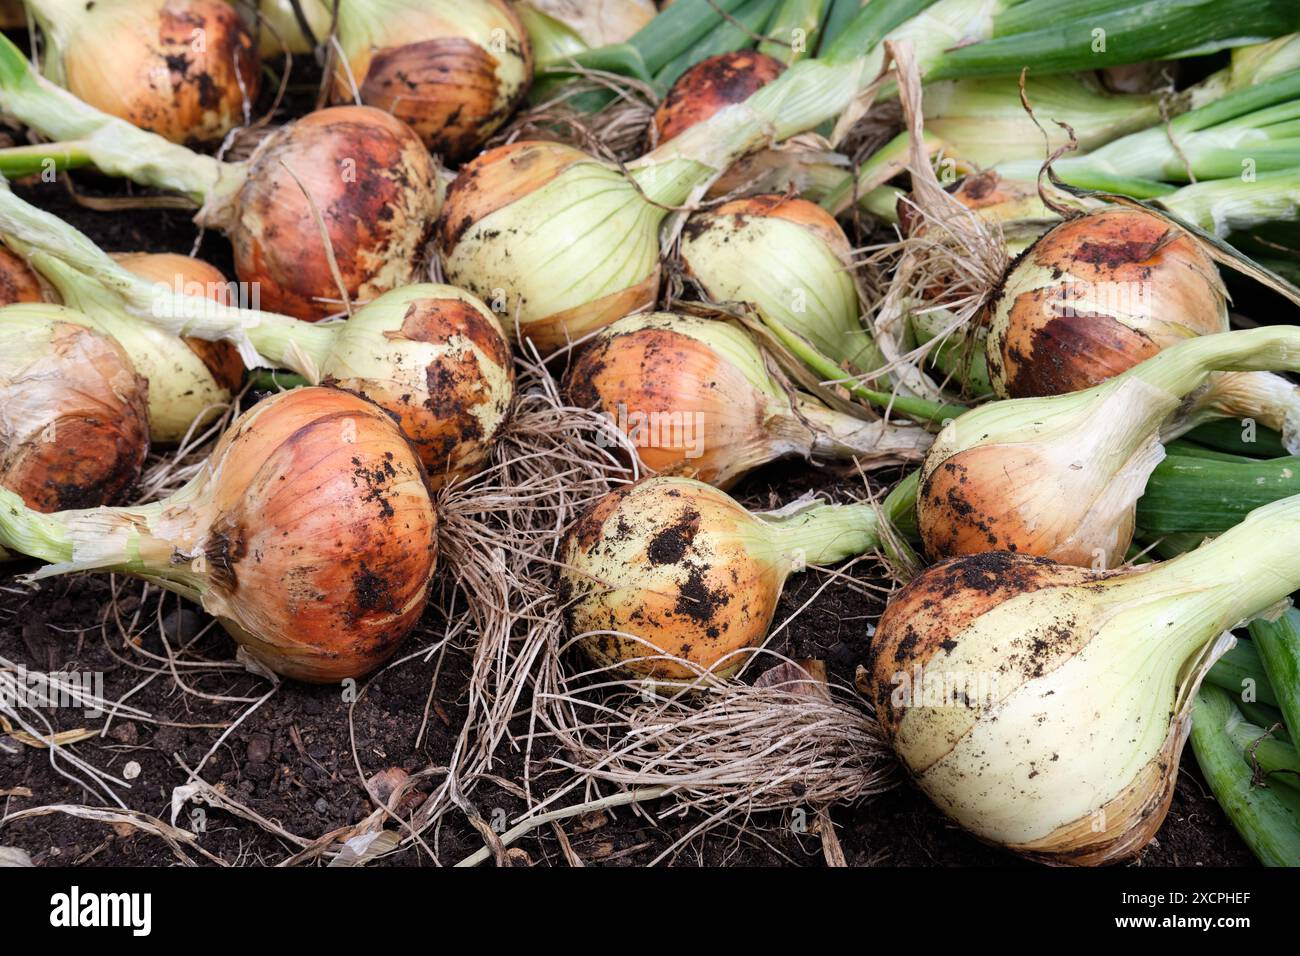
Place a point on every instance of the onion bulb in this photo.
(695, 398)
(1059, 477)
(599, 22)
(18, 283)
(74, 421)
(669, 577)
(789, 259)
(184, 69)
(191, 381)
(277, 28)
(710, 85)
(374, 187)
(452, 69)
(1099, 293)
(1044, 707)
(309, 534)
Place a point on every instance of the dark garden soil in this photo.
(300, 762)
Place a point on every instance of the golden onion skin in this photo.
(74, 429)
(541, 199)
(18, 282)
(453, 70)
(1095, 296)
(710, 85)
(376, 188)
(1018, 742)
(322, 539)
(652, 370)
(676, 562)
(183, 69)
(437, 360)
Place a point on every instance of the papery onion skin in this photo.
(183, 69)
(376, 188)
(677, 558)
(18, 282)
(74, 423)
(452, 69)
(642, 366)
(321, 539)
(1093, 297)
(1029, 738)
(709, 86)
(437, 359)
(600, 22)
(523, 220)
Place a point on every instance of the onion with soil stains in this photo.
(18, 281)
(790, 260)
(1098, 294)
(74, 421)
(1059, 476)
(695, 398)
(709, 86)
(453, 69)
(309, 534)
(184, 69)
(1044, 707)
(670, 577)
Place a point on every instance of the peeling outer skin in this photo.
(677, 564)
(323, 543)
(1065, 487)
(710, 85)
(377, 191)
(1095, 296)
(1045, 757)
(697, 413)
(1272, 400)
(74, 423)
(168, 85)
(562, 243)
(437, 359)
(435, 69)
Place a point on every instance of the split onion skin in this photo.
(448, 86)
(376, 189)
(927, 623)
(1049, 335)
(74, 432)
(667, 559)
(483, 224)
(711, 85)
(114, 61)
(322, 536)
(438, 361)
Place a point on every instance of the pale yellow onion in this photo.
(1059, 476)
(278, 29)
(599, 22)
(1044, 707)
(789, 259)
(694, 397)
(452, 69)
(184, 69)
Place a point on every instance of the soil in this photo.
(301, 758)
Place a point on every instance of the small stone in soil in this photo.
(182, 624)
(322, 807)
(125, 733)
(259, 748)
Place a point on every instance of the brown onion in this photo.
(74, 423)
(710, 85)
(18, 283)
(184, 69)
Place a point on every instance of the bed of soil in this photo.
(298, 761)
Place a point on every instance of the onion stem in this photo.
(1278, 644)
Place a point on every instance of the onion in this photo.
(277, 28)
(599, 22)
(670, 576)
(374, 186)
(190, 381)
(452, 69)
(1044, 707)
(184, 69)
(74, 425)
(309, 534)
(710, 85)
(1059, 477)
(18, 283)
(695, 398)
(1098, 294)
(790, 260)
